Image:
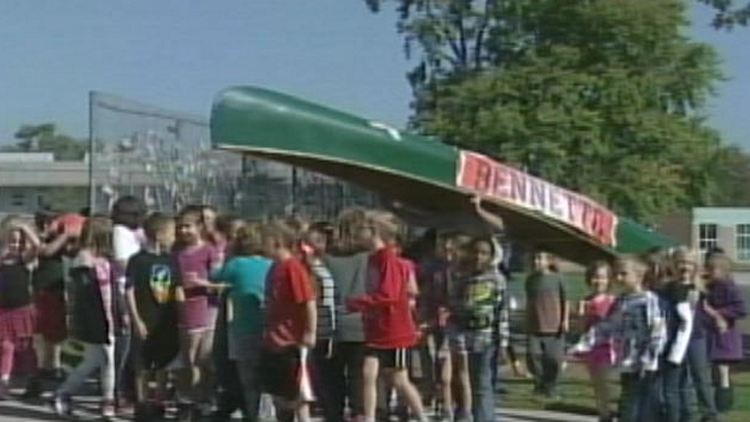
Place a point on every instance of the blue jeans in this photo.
(638, 396)
(698, 368)
(677, 382)
(124, 370)
(672, 377)
(480, 373)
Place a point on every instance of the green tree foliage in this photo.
(44, 138)
(602, 96)
(733, 178)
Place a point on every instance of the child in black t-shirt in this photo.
(150, 295)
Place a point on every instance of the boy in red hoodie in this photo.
(387, 316)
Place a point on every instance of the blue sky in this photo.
(178, 53)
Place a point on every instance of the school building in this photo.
(705, 228)
(30, 181)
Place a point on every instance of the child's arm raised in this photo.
(53, 247)
(31, 253)
(487, 216)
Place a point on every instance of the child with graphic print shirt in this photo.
(150, 284)
(480, 325)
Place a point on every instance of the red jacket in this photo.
(386, 311)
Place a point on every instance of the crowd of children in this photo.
(211, 314)
(672, 323)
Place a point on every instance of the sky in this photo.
(178, 54)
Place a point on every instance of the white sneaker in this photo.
(61, 405)
(108, 409)
(267, 409)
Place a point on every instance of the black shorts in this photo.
(280, 372)
(157, 350)
(390, 358)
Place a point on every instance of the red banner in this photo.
(484, 175)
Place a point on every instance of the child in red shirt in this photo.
(291, 324)
(387, 316)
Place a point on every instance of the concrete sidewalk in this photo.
(12, 411)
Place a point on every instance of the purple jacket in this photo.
(726, 298)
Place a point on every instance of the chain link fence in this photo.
(165, 158)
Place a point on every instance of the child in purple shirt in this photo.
(195, 259)
(724, 306)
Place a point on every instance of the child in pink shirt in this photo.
(195, 259)
(595, 308)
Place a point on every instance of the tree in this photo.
(733, 178)
(455, 36)
(604, 96)
(44, 138)
(728, 14)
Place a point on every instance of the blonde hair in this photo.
(659, 267)
(385, 225)
(249, 241)
(683, 253)
(97, 235)
(280, 232)
(634, 263)
(9, 225)
(347, 222)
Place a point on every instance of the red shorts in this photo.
(17, 323)
(50, 316)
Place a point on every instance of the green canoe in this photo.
(421, 173)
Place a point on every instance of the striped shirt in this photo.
(327, 297)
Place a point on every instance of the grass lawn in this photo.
(577, 395)
(575, 388)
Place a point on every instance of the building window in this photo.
(18, 199)
(743, 242)
(707, 237)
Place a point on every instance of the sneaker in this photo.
(124, 406)
(445, 416)
(109, 410)
(61, 405)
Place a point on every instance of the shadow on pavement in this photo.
(15, 413)
(570, 408)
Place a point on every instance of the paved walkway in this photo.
(22, 412)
